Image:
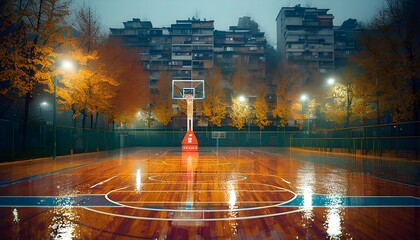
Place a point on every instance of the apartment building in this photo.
(243, 41)
(160, 54)
(346, 41)
(135, 34)
(305, 36)
(189, 48)
(192, 48)
(152, 44)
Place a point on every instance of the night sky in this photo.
(163, 13)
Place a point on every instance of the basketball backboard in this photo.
(181, 88)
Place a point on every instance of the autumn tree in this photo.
(31, 33)
(261, 109)
(88, 27)
(162, 108)
(335, 104)
(91, 88)
(363, 99)
(288, 82)
(131, 93)
(239, 113)
(99, 83)
(390, 57)
(214, 106)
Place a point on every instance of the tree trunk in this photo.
(96, 120)
(84, 120)
(73, 148)
(28, 99)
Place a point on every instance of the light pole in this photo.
(243, 100)
(303, 99)
(55, 118)
(68, 66)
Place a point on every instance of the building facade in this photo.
(243, 41)
(153, 45)
(305, 36)
(346, 41)
(192, 48)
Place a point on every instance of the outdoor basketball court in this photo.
(232, 193)
(190, 192)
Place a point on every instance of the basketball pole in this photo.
(187, 90)
(190, 142)
(190, 112)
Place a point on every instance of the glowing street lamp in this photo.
(330, 81)
(68, 66)
(242, 98)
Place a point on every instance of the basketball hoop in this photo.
(188, 90)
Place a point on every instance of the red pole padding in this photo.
(190, 142)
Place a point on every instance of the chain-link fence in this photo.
(38, 140)
(398, 139)
(393, 139)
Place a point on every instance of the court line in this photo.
(153, 177)
(183, 202)
(318, 201)
(194, 210)
(202, 183)
(193, 219)
(284, 180)
(102, 182)
(190, 191)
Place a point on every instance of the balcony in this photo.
(181, 57)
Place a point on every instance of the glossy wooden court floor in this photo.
(232, 193)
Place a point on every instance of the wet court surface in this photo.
(259, 193)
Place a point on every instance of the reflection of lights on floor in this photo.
(307, 202)
(333, 222)
(15, 215)
(63, 224)
(138, 180)
(232, 198)
(233, 213)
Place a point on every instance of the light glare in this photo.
(67, 65)
(330, 81)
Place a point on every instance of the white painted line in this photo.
(197, 190)
(193, 219)
(284, 180)
(279, 204)
(196, 202)
(102, 182)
